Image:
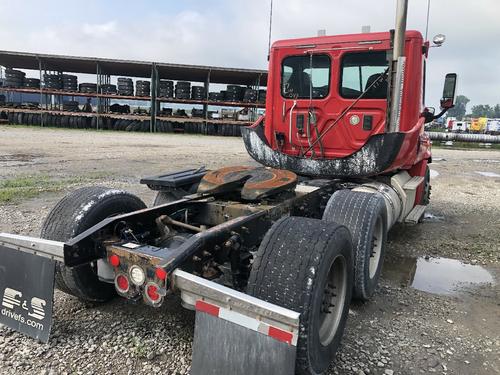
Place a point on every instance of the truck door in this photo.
(304, 88)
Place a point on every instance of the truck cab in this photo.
(327, 104)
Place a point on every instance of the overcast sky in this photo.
(234, 33)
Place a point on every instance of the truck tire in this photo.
(298, 265)
(75, 213)
(364, 214)
(426, 194)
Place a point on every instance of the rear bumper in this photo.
(37, 246)
(375, 157)
(196, 292)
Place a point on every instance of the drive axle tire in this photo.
(426, 194)
(364, 214)
(75, 213)
(306, 265)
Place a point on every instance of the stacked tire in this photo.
(166, 89)
(69, 82)
(14, 78)
(52, 81)
(183, 90)
(250, 95)
(108, 89)
(166, 112)
(198, 93)
(125, 86)
(262, 96)
(73, 121)
(70, 106)
(142, 88)
(119, 108)
(32, 83)
(164, 126)
(234, 93)
(216, 96)
(196, 112)
(87, 88)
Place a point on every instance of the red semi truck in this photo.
(287, 245)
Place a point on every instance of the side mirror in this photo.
(450, 85)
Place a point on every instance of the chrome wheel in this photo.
(378, 235)
(334, 298)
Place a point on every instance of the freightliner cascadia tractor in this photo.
(343, 157)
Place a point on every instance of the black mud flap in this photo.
(26, 292)
(224, 347)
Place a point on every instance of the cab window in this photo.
(359, 71)
(304, 76)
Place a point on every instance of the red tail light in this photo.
(152, 292)
(121, 283)
(114, 260)
(161, 273)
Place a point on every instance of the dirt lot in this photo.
(403, 330)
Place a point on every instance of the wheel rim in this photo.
(333, 300)
(376, 252)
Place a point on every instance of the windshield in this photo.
(305, 76)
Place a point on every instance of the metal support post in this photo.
(41, 90)
(98, 82)
(205, 104)
(154, 92)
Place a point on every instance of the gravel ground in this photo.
(401, 331)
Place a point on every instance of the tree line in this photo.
(479, 110)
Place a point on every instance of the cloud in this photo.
(235, 33)
(99, 31)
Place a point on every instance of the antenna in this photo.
(427, 24)
(270, 29)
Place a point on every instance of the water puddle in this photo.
(435, 275)
(485, 161)
(433, 173)
(16, 160)
(488, 174)
(431, 218)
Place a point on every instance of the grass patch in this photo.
(25, 187)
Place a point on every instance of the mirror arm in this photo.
(440, 114)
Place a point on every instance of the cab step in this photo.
(413, 183)
(415, 214)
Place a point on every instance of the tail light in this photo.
(161, 273)
(121, 283)
(114, 260)
(153, 293)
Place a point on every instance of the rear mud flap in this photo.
(223, 347)
(236, 333)
(26, 292)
